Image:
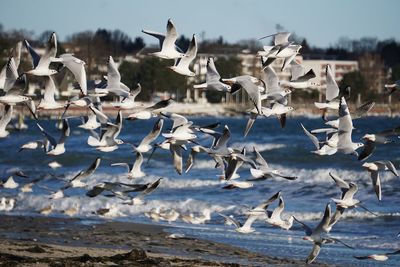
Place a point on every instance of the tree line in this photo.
(379, 60)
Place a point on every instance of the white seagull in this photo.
(167, 42)
(41, 64)
(182, 64)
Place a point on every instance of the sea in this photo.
(287, 149)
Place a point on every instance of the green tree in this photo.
(357, 84)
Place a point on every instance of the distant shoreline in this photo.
(208, 109)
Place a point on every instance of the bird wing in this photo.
(349, 194)
(171, 35)
(376, 182)
(345, 125)
(314, 253)
(100, 115)
(309, 75)
(77, 67)
(306, 228)
(190, 54)
(363, 109)
(66, 130)
(50, 52)
(11, 75)
(324, 224)
(296, 70)
(159, 36)
(250, 122)
(313, 138)
(332, 89)
(34, 56)
(212, 73)
(259, 159)
(176, 152)
(49, 90)
(232, 220)
(272, 81)
(150, 188)
(339, 181)
(113, 75)
(51, 139)
(278, 210)
(367, 151)
(155, 132)
(138, 162)
(391, 167)
(8, 110)
(264, 205)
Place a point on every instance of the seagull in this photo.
(167, 42)
(134, 170)
(345, 144)
(56, 148)
(238, 184)
(114, 84)
(374, 168)
(234, 162)
(346, 201)
(47, 210)
(277, 109)
(246, 227)
(323, 148)
(274, 218)
(129, 102)
(48, 101)
(332, 91)
(5, 120)
(300, 79)
(7, 204)
(41, 64)
(76, 181)
(247, 82)
(391, 88)
(107, 141)
(264, 171)
(262, 207)
(213, 79)
(10, 183)
(144, 145)
(16, 54)
(13, 86)
(316, 235)
(138, 200)
(182, 64)
(112, 187)
(282, 49)
(378, 257)
(371, 140)
(150, 112)
(33, 145)
(77, 67)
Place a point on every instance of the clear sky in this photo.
(322, 22)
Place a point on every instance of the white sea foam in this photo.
(260, 147)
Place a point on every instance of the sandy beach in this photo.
(50, 241)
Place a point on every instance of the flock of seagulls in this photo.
(268, 98)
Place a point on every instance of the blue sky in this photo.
(321, 22)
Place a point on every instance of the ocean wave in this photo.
(260, 147)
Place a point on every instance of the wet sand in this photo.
(50, 241)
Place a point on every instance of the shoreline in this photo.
(54, 241)
(208, 109)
